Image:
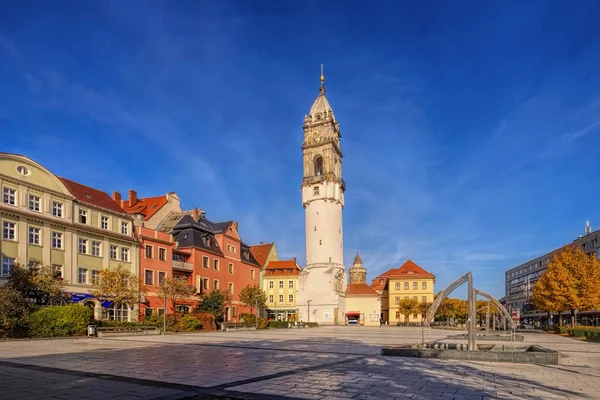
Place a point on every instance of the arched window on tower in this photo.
(318, 166)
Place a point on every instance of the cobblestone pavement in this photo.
(316, 363)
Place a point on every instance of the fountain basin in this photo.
(485, 352)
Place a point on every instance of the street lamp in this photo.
(308, 302)
(164, 289)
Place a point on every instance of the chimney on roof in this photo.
(588, 228)
(294, 260)
(195, 214)
(132, 197)
(117, 197)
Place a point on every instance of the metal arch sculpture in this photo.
(498, 305)
(471, 327)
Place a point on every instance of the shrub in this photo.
(72, 319)
(189, 323)
(14, 313)
(125, 324)
(311, 324)
(278, 324)
(561, 329)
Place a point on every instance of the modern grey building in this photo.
(521, 279)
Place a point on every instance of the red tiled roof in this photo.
(287, 267)
(409, 268)
(146, 206)
(91, 196)
(360, 289)
(377, 284)
(261, 252)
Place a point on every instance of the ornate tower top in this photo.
(358, 273)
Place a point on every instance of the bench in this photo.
(107, 331)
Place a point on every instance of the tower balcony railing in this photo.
(328, 177)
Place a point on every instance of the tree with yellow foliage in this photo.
(408, 307)
(571, 282)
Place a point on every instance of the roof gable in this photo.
(360, 289)
(408, 269)
(147, 206)
(92, 197)
(261, 252)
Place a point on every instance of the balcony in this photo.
(183, 266)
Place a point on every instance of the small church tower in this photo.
(358, 273)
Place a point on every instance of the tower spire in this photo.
(322, 88)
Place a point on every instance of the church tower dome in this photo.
(358, 273)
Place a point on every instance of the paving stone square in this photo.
(317, 363)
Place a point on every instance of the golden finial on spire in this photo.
(322, 89)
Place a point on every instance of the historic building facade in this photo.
(407, 282)
(322, 283)
(280, 283)
(76, 229)
(363, 303)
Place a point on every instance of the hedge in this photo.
(68, 320)
(561, 329)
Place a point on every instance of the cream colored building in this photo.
(407, 282)
(74, 228)
(363, 303)
(321, 293)
(280, 284)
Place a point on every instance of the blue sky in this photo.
(470, 130)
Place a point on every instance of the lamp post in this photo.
(308, 302)
(256, 319)
(164, 289)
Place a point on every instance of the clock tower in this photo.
(322, 283)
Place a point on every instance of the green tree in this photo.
(253, 296)
(14, 313)
(177, 289)
(408, 307)
(214, 302)
(38, 283)
(119, 286)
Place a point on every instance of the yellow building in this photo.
(407, 282)
(76, 229)
(280, 283)
(363, 303)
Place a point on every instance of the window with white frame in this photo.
(113, 252)
(291, 298)
(229, 248)
(423, 299)
(281, 298)
(9, 196)
(9, 230)
(83, 246)
(205, 283)
(7, 265)
(34, 202)
(205, 262)
(34, 235)
(280, 284)
(82, 275)
(405, 285)
(234, 311)
(424, 285)
(104, 222)
(83, 216)
(96, 249)
(291, 284)
(57, 209)
(216, 264)
(271, 285)
(149, 251)
(125, 254)
(162, 254)
(230, 288)
(120, 314)
(57, 240)
(252, 274)
(95, 278)
(216, 284)
(125, 228)
(58, 270)
(149, 277)
(230, 267)
(161, 277)
(397, 285)
(270, 298)
(415, 285)
(397, 300)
